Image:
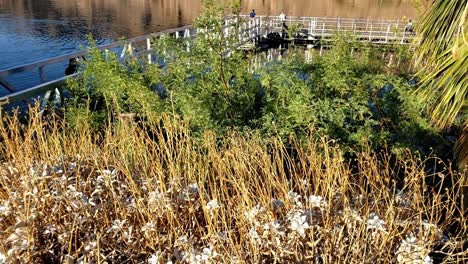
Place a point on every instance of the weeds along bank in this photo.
(200, 159)
(68, 196)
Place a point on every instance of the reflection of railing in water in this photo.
(313, 29)
(309, 54)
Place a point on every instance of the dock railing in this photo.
(247, 30)
(380, 31)
(123, 47)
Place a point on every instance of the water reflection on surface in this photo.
(31, 30)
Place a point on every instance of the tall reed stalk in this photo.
(154, 193)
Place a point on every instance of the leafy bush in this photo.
(351, 97)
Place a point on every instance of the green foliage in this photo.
(293, 29)
(350, 97)
(347, 98)
(109, 88)
(443, 55)
(207, 88)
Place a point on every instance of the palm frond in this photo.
(442, 52)
(448, 82)
(439, 29)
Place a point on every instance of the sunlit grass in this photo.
(134, 195)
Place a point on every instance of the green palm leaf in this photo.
(442, 52)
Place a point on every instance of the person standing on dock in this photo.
(409, 27)
(282, 17)
(284, 27)
(252, 14)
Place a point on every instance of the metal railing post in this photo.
(388, 32)
(323, 29)
(355, 26)
(42, 74)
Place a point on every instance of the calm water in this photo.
(31, 30)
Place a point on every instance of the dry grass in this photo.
(71, 196)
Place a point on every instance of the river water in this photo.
(32, 30)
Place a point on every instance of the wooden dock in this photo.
(313, 31)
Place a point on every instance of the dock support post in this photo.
(130, 49)
(257, 27)
(148, 47)
(397, 27)
(388, 32)
(353, 27)
(310, 27)
(187, 35)
(44, 103)
(390, 61)
(260, 26)
(124, 50)
(323, 29)
(59, 98)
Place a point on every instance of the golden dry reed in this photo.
(159, 195)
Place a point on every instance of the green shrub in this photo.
(351, 97)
